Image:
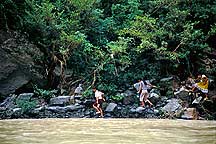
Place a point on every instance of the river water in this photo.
(107, 131)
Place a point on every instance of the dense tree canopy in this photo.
(116, 41)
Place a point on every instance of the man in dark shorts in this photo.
(99, 96)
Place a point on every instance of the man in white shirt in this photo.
(99, 96)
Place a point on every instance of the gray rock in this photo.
(56, 109)
(88, 102)
(172, 106)
(166, 79)
(149, 111)
(156, 111)
(140, 109)
(111, 107)
(129, 97)
(77, 96)
(17, 112)
(2, 109)
(128, 93)
(182, 93)
(154, 98)
(108, 115)
(190, 113)
(132, 110)
(17, 64)
(73, 107)
(86, 116)
(9, 102)
(60, 100)
(37, 110)
(155, 95)
(25, 96)
(87, 113)
(77, 101)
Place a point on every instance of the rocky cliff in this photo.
(19, 62)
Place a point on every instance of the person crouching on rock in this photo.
(202, 85)
(99, 96)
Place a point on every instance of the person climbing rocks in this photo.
(76, 94)
(99, 99)
(189, 82)
(78, 90)
(202, 85)
(143, 91)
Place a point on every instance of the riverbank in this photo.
(123, 105)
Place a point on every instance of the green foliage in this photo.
(117, 98)
(107, 88)
(44, 94)
(9, 14)
(26, 104)
(120, 40)
(88, 94)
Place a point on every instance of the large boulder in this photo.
(74, 107)
(60, 100)
(18, 58)
(111, 107)
(190, 113)
(154, 97)
(56, 109)
(25, 96)
(183, 94)
(9, 102)
(17, 112)
(139, 109)
(129, 97)
(172, 106)
(88, 103)
(168, 85)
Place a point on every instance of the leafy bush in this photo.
(44, 94)
(117, 98)
(88, 93)
(26, 104)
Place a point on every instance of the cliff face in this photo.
(19, 62)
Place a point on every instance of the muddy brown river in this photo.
(107, 131)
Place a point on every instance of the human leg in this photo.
(95, 107)
(101, 112)
(142, 104)
(146, 98)
(100, 108)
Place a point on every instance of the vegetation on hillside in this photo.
(112, 42)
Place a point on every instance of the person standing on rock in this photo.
(143, 91)
(99, 99)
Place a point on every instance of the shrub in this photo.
(44, 94)
(26, 104)
(117, 98)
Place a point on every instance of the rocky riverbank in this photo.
(177, 105)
